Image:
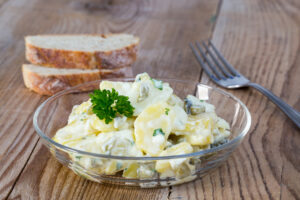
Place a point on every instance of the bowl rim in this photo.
(235, 140)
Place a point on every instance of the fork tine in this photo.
(205, 68)
(212, 67)
(227, 64)
(216, 61)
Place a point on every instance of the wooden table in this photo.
(260, 37)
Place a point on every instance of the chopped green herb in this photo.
(78, 157)
(157, 83)
(119, 166)
(201, 100)
(167, 111)
(158, 131)
(107, 104)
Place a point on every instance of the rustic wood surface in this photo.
(260, 37)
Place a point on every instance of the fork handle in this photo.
(293, 114)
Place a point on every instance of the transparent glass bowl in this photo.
(53, 114)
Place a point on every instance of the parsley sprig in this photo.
(107, 104)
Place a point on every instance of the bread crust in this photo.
(117, 73)
(59, 58)
(51, 84)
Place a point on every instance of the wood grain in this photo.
(261, 39)
(27, 170)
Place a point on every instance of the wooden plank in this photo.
(290, 149)
(261, 39)
(17, 137)
(165, 28)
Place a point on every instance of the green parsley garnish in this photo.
(201, 100)
(157, 83)
(158, 131)
(107, 104)
(167, 111)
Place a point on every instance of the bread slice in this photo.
(48, 81)
(82, 51)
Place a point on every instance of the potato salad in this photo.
(141, 118)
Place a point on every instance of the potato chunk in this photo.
(152, 128)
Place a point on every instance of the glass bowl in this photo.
(53, 114)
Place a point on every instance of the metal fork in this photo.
(224, 74)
